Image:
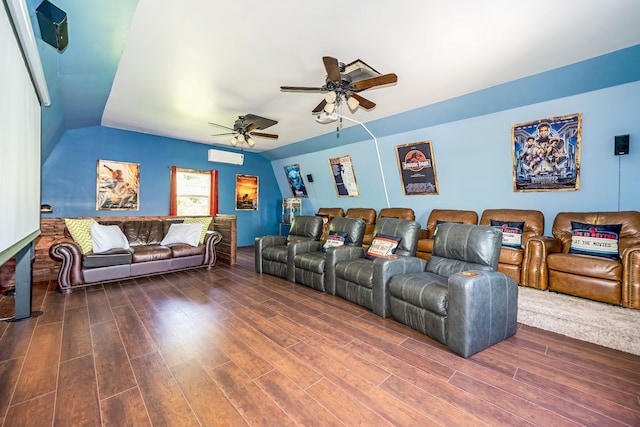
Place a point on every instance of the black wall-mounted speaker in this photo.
(53, 25)
(309, 178)
(621, 145)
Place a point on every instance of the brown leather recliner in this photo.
(425, 243)
(595, 277)
(518, 263)
(369, 217)
(400, 213)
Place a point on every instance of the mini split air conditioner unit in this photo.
(226, 157)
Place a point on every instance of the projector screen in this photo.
(19, 147)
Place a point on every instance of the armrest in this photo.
(69, 253)
(384, 268)
(535, 273)
(264, 242)
(483, 310)
(211, 239)
(334, 256)
(631, 277)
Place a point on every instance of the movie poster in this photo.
(546, 154)
(417, 168)
(294, 176)
(344, 177)
(246, 192)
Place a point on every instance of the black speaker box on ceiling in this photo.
(53, 25)
(621, 145)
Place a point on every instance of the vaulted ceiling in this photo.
(169, 68)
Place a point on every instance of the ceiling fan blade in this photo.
(220, 126)
(225, 134)
(374, 81)
(265, 135)
(302, 89)
(333, 68)
(251, 126)
(259, 122)
(319, 107)
(364, 102)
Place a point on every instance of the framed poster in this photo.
(546, 154)
(246, 192)
(417, 168)
(118, 186)
(294, 177)
(344, 178)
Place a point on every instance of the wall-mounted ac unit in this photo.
(226, 157)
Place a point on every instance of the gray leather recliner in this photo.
(460, 300)
(365, 281)
(310, 261)
(274, 254)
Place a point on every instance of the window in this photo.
(193, 192)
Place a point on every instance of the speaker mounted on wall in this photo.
(309, 177)
(621, 145)
(53, 25)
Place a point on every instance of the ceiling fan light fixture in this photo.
(241, 138)
(233, 141)
(330, 97)
(328, 108)
(251, 142)
(353, 103)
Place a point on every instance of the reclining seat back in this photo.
(148, 232)
(369, 217)
(464, 247)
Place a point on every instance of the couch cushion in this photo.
(188, 234)
(584, 265)
(276, 253)
(147, 232)
(597, 240)
(107, 237)
(424, 290)
(358, 271)
(511, 256)
(205, 221)
(80, 232)
(107, 259)
(180, 250)
(144, 253)
(311, 261)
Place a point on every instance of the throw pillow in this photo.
(80, 232)
(106, 237)
(205, 221)
(382, 245)
(511, 232)
(597, 240)
(183, 233)
(335, 238)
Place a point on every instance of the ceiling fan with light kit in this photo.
(245, 127)
(343, 84)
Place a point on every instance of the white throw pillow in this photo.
(183, 233)
(106, 237)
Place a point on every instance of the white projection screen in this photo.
(19, 147)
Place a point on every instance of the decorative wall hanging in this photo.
(294, 176)
(344, 177)
(546, 154)
(118, 186)
(417, 168)
(246, 192)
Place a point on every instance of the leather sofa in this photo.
(274, 254)
(614, 281)
(460, 300)
(145, 255)
(400, 213)
(310, 261)
(365, 281)
(436, 216)
(521, 263)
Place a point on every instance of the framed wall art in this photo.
(246, 192)
(417, 168)
(118, 186)
(344, 178)
(546, 154)
(294, 177)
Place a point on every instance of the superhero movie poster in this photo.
(546, 154)
(417, 168)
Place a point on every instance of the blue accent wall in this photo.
(69, 176)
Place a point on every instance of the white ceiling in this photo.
(192, 62)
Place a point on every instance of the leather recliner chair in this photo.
(274, 254)
(310, 261)
(365, 281)
(327, 215)
(437, 216)
(460, 300)
(400, 213)
(369, 217)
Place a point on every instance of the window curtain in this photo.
(213, 198)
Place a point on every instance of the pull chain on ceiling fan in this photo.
(244, 129)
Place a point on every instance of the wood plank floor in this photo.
(231, 347)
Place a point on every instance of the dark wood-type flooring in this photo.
(231, 347)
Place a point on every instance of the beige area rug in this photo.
(586, 320)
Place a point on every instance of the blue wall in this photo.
(474, 165)
(69, 176)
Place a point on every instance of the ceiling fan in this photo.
(244, 129)
(342, 84)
